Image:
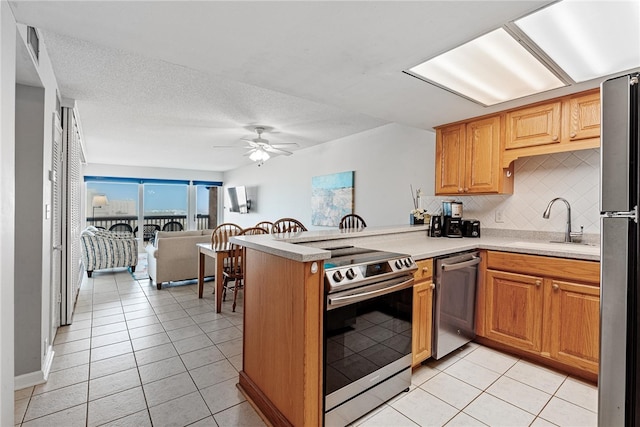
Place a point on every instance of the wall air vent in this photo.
(33, 41)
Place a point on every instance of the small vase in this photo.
(415, 221)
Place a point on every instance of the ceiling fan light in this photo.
(259, 155)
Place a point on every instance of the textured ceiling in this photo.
(159, 83)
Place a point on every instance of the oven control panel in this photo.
(354, 275)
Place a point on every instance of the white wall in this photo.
(7, 208)
(386, 161)
(28, 229)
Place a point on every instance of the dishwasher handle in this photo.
(455, 266)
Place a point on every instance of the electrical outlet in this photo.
(499, 216)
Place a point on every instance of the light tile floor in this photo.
(136, 356)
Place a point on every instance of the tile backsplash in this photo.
(573, 175)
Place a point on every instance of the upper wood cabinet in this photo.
(450, 146)
(582, 120)
(562, 124)
(476, 156)
(533, 126)
(468, 158)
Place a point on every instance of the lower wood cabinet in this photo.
(546, 306)
(422, 326)
(574, 331)
(514, 309)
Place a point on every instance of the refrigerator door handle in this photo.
(633, 214)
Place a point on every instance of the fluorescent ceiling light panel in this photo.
(587, 39)
(491, 69)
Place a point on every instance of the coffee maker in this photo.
(435, 229)
(452, 219)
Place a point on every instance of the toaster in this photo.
(470, 228)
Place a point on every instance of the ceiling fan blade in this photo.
(258, 140)
(285, 144)
(225, 146)
(252, 144)
(272, 149)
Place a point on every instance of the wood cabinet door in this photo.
(422, 323)
(482, 156)
(574, 325)
(450, 159)
(514, 304)
(425, 270)
(538, 125)
(582, 120)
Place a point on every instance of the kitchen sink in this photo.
(558, 246)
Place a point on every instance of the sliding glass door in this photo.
(206, 206)
(143, 206)
(165, 208)
(112, 205)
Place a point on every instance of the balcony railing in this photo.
(202, 221)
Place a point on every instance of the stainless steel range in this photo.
(367, 330)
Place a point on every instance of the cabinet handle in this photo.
(573, 135)
(538, 283)
(425, 269)
(433, 286)
(460, 190)
(555, 286)
(555, 137)
(466, 190)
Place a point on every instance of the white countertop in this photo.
(412, 240)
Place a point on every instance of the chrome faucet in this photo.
(568, 235)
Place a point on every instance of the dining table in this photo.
(218, 252)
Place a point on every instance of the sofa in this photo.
(174, 256)
(108, 249)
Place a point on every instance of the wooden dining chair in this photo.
(267, 225)
(233, 272)
(220, 235)
(235, 268)
(352, 222)
(252, 231)
(287, 225)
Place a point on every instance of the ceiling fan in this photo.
(259, 148)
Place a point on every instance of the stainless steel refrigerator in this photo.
(618, 380)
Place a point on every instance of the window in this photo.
(111, 203)
(155, 203)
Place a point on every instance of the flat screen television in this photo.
(238, 199)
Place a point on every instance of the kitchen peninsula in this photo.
(284, 303)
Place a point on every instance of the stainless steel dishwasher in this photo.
(454, 315)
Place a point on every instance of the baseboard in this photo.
(38, 377)
(48, 361)
(262, 403)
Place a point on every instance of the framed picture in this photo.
(331, 198)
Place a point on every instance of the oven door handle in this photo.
(449, 267)
(334, 302)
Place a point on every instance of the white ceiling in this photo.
(159, 83)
